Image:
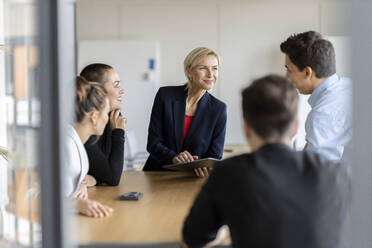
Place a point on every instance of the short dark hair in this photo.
(270, 106)
(95, 72)
(310, 49)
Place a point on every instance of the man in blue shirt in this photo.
(311, 66)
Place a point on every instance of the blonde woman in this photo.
(187, 122)
(91, 110)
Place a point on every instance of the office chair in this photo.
(133, 158)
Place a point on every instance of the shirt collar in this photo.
(73, 133)
(321, 88)
(277, 145)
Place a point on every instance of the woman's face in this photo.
(114, 89)
(102, 118)
(205, 74)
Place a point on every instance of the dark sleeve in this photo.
(204, 220)
(107, 168)
(215, 149)
(155, 140)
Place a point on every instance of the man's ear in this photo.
(309, 73)
(247, 130)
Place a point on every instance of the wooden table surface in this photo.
(234, 150)
(157, 217)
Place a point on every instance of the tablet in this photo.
(190, 166)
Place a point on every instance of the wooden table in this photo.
(157, 217)
(234, 150)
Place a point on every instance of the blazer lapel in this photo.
(179, 108)
(198, 118)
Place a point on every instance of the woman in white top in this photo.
(91, 110)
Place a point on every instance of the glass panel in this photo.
(19, 124)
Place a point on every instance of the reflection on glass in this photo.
(19, 125)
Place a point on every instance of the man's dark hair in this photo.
(270, 106)
(95, 72)
(310, 49)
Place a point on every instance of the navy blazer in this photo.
(205, 137)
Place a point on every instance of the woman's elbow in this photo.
(115, 183)
(115, 180)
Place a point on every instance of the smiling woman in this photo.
(187, 122)
(106, 153)
(201, 69)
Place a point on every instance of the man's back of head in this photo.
(269, 107)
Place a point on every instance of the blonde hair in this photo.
(89, 96)
(194, 57)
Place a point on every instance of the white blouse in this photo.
(75, 162)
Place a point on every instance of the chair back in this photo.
(130, 138)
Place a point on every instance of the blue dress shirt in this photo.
(328, 125)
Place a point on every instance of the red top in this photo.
(188, 120)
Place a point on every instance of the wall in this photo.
(246, 34)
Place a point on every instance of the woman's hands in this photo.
(116, 120)
(185, 157)
(92, 208)
(81, 192)
(88, 207)
(89, 181)
(201, 172)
